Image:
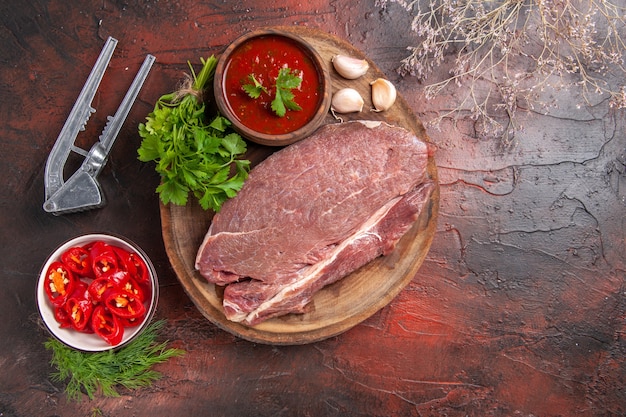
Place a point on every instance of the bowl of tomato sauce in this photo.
(273, 86)
(97, 292)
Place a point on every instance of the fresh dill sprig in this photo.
(105, 372)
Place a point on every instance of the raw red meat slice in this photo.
(312, 213)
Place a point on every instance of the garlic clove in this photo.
(347, 100)
(349, 67)
(383, 94)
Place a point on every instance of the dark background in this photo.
(519, 309)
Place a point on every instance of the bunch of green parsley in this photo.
(193, 152)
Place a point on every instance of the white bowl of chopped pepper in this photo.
(97, 292)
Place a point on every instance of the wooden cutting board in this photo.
(344, 304)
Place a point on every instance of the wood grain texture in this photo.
(337, 307)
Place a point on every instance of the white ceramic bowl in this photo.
(89, 342)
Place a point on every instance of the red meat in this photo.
(312, 213)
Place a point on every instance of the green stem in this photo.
(206, 74)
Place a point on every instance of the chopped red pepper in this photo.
(119, 283)
(126, 305)
(124, 259)
(133, 288)
(104, 263)
(97, 247)
(79, 307)
(59, 283)
(130, 322)
(98, 288)
(106, 325)
(142, 273)
(119, 278)
(60, 314)
(79, 312)
(78, 260)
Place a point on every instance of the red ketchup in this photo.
(264, 56)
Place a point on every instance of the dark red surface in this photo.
(519, 309)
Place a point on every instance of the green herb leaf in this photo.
(172, 191)
(285, 82)
(104, 372)
(255, 89)
(189, 148)
(288, 79)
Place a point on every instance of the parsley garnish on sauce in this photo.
(286, 81)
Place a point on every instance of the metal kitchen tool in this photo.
(82, 190)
